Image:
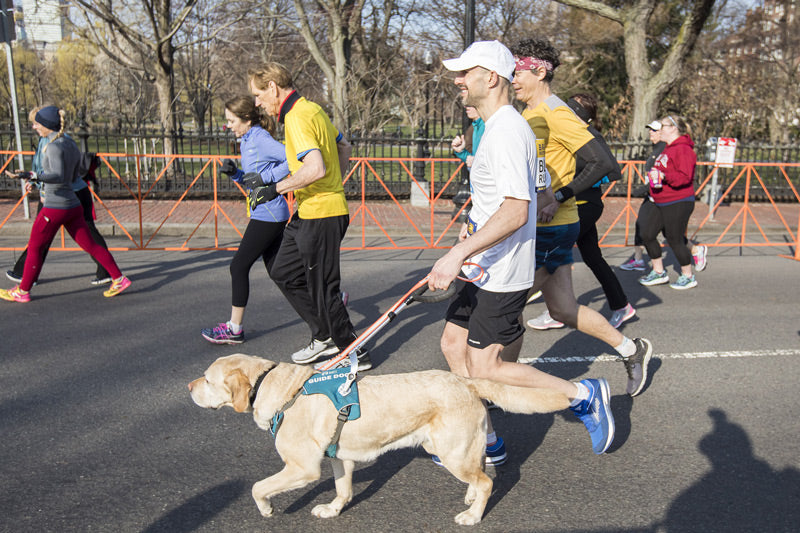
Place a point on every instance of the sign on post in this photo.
(726, 152)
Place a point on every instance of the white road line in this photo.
(695, 355)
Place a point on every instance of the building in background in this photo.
(42, 22)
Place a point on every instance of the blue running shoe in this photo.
(595, 413)
(495, 454)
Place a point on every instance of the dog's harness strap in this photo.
(344, 413)
(277, 420)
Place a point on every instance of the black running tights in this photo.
(261, 239)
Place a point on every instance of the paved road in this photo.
(98, 433)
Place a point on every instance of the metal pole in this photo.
(463, 194)
(469, 23)
(12, 88)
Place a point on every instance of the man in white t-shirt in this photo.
(483, 335)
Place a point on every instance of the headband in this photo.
(531, 63)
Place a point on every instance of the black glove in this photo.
(24, 175)
(261, 195)
(252, 180)
(228, 167)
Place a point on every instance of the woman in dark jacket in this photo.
(590, 207)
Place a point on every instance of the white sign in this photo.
(726, 152)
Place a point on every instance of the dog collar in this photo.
(254, 392)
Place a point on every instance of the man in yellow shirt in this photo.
(558, 226)
(306, 267)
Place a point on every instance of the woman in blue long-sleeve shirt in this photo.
(263, 162)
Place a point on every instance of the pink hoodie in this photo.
(677, 163)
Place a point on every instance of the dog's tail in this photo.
(522, 400)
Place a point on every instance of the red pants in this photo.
(47, 223)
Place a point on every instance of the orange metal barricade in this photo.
(381, 225)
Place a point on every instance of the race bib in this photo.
(541, 169)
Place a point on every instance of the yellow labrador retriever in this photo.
(438, 410)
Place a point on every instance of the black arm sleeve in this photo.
(598, 163)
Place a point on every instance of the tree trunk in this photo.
(649, 86)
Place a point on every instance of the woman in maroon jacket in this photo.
(671, 182)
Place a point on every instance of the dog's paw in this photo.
(472, 493)
(265, 507)
(325, 510)
(467, 518)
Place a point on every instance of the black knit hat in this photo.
(49, 118)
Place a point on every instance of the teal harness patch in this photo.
(327, 383)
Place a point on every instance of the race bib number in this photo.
(542, 178)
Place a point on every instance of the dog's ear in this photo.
(240, 389)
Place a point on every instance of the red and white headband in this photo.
(531, 63)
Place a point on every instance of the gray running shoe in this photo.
(621, 315)
(315, 350)
(364, 362)
(654, 278)
(636, 366)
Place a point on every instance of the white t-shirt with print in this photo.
(505, 165)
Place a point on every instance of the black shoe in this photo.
(99, 280)
(10, 274)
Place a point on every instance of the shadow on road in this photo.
(740, 493)
(200, 509)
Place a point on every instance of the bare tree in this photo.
(768, 51)
(650, 82)
(330, 44)
(73, 78)
(139, 36)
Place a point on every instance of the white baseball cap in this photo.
(655, 125)
(491, 55)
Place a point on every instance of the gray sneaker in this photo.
(654, 278)
(364, 362)
(315, 350)
(636, 366)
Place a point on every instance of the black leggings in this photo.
(637, 236)
(589, 213)
(260, 239)
(672, 219)
(85, 197)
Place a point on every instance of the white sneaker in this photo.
(700, 258)
(621, 315)
(544, 321)
(315, 350)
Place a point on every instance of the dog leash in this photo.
(417, 293)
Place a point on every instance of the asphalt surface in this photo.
(98, 432)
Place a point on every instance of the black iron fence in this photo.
(392, 158)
